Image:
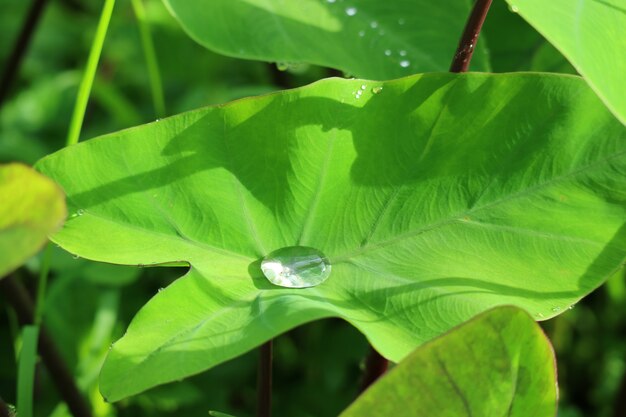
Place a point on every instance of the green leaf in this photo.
(592, 35)
(369, 38)
(31, 207)
(497, 364)
(435, 198)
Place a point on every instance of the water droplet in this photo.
(75, 256)
(377, 90)
(405, 63)
(160, 289)
(402, 53)
(556, 309)
(282, 66)
(361, 33)
(373, 24)
(296, 267)
(513, 8)
(571, 307)
(388, 52)
(351, 11)
(401, 21)
(330, 1)
(80, 212)
(540, 315)
(363, 87)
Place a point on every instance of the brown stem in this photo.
(16, 295)
(375, 367)
(467, 44)
(4, 409)
(264, 381)
(20, 47)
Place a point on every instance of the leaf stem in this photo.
(4, 409)
(467, 44)
(375, 367)
(41, 286)
(20, 47)
(16, 295)
(156, 87)
(264, 380)
(84, 89)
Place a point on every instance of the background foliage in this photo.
(87, 310)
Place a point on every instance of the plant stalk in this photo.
(147, 44)
(264, 380)
(17, 296)
(84, 89)
(20, 47)
(375, 367)
(4, 409)
(467, 44)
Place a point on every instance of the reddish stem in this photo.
(264, 380)
(375, 367)
(467, 44)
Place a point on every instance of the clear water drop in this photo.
(373, 24)
(405, 63)
(75, 256)
(361, 33)
(556, 309)
(377, 90)
(80, 212)
(330, 1)
(514, 8)
(388, 52)
(282, 66)
(402, 53)
(540, 315)
(351, 11)
(363, 86)
(296, 267)
(160, 289)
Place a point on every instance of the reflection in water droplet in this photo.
(405, 63)
(377, 90)
(296, 267)
(351, 11)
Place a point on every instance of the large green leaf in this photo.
(592, 35)
(435, 198)
(369, 38)
(31, 207)
(498, 364)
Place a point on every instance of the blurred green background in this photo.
(88, 306)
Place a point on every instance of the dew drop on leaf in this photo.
(405, 64)
(351, 11)
(296, 267)
(377, 90)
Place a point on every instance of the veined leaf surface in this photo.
(435, 198)
(497, 364)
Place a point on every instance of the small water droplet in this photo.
(513, 8)
(402, 52)
(571, 307)
(377, 90)
(373, 24)
(351, 11)
(157, 120)
(330, 1)
(80, 212)
(363, 86)
(296, 267)
(556, 309)
(405, 63)
(388, 52)
(282, 66)
(401, 21)
(540, 315)
(160, 289)
(76, 256)
(361, 33)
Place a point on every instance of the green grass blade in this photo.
(26, 371)
(147, 45)
(84, 89)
